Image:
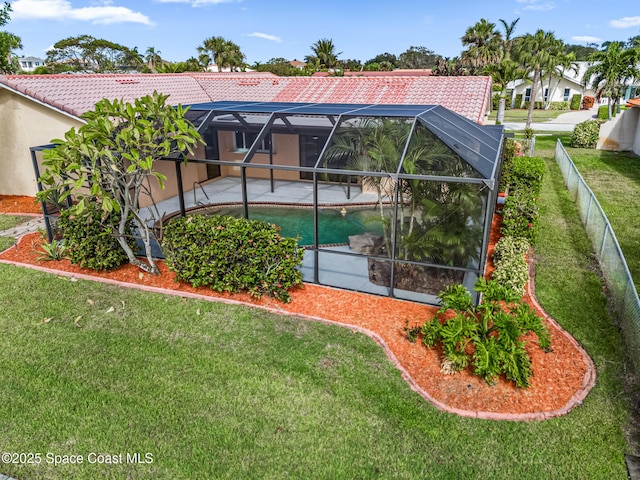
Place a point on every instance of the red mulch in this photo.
(19, 204)
(562, 377)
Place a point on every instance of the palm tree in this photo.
(533, 53)
(325, 52)
(610, 69)
(508, 41)
(153, 57)
(484, 43)
(502, 73)
(559, 63)
(224, 52)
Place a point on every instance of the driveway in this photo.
(565, 122)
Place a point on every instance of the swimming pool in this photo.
(335, 225)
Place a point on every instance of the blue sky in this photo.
(287, 28)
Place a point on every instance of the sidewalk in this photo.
(565, 122)
(27, 227)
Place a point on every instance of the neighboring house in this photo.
(561, 88)
(298, 64)
(29, 64)
(34, 109)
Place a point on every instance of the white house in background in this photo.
(29, 64)
(561, 88)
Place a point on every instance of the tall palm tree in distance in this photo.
(508, 40)
(610, 69)
(152, 57)
(324, 54)
(533, 51)
(484, 42)
(224, 52)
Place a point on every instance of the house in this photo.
(34, 109)
(29, 64)
(557, 89)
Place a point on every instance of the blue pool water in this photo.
(333, 226)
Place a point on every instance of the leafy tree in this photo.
(533, 52)
(324, 54)
(110, 160)
(581, 52)
(278, 66)
(351, 64)
(383, 57)
(634, 42)
(418, 57)
(8, 43)
(453, 68)
(484, 42)
(610, 69)
(86, 53)
(224, 53)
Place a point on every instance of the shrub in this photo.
(603, 112)
(90, 238)
(529, 133)
(494, 101)
(586, 134)
(517, 103)
(520, 215)
(492, 330)
(536, 105)
(576, 101)
(509, 260)
(526, 173)
(559, 106)
(588, 102)
(233, 254)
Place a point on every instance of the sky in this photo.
(266, 29)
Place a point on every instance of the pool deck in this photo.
(229, 189)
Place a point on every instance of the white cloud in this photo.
(537, 5)
(63, 10)
(625, 22)
(198, 3)
(266, 36)
(586, 39)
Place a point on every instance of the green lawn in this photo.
(614, 178)
(218, 391)
(520, 115)
(10, 221)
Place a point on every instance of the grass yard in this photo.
(520, 115)
(218, 391)
(614, 177)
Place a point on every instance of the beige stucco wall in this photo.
(621, 132)
(24, 124)
(286, 151)
(191, 172)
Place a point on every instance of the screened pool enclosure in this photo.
(409, 190)
(392, 200)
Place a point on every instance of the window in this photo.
(565, 96)
(527, 95)
(546, 94)
(244, 140)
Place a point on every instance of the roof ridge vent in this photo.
(126, 81)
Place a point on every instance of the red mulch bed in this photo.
(19, 204)
(562, 377)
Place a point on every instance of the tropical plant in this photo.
(324, 54)
(487, 336)
(153, 58)
(502, 73)
(8, 43)
(50, 251)
(508, 40)
(610, 69)
(110, 160)
(224, 53)
(533, 52)
(484, 44)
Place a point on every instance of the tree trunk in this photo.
(501, 108)
(532, 100)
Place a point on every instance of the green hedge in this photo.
(559, 106)
(518, 101)
(233, 254)
(603, 112)
(576, 101)
(509, 260)
(90, 238)
(586, 134)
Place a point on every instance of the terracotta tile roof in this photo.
(403, 72)
(633, 102)
(76, 94)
